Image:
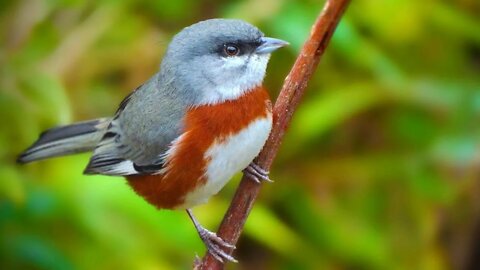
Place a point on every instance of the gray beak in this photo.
(269, 45)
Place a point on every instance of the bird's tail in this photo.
(65, 140)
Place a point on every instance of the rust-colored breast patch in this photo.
(185, 166)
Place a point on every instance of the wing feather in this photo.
(123, 150)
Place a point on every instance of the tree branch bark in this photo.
(287, 101)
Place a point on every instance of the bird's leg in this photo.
(213, 243)
(257, 173)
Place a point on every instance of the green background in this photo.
(379, 169)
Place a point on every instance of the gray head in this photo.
(218, 59)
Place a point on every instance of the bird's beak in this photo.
(269, 45)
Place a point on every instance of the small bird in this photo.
(179, 137)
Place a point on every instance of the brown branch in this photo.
(287, 101)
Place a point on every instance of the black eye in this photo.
(231, 49)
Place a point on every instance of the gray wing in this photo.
(145, 124)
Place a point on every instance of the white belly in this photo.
(228, 157)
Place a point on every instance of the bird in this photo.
(180, 137)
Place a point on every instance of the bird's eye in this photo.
(231, 49)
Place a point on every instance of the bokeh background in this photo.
(379, 169)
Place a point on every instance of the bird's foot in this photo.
(256, 173)
(215, 245)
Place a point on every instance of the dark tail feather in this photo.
(65, 140)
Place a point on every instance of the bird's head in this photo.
(219, 59)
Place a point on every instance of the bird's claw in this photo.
(256, 173)
(215, 246)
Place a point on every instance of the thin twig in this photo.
(287, 101)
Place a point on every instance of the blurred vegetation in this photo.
(379, 170)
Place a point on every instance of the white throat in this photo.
(235, 84)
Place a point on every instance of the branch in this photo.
(287, 101)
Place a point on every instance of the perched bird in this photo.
(180, 136)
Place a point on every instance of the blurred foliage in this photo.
(379, 169)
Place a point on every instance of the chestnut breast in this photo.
(219, 140)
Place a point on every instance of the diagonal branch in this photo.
(287, 101)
